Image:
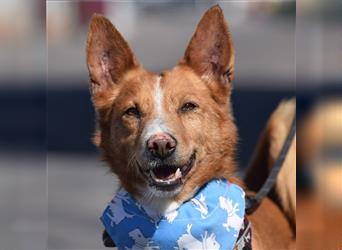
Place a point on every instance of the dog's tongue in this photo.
(164, 172)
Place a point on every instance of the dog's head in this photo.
(164, 134)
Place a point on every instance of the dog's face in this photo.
(164, 134)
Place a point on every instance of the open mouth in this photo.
(168, 177)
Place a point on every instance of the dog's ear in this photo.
(210, 52)
(108, 55)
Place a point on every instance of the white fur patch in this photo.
(157, 125)
(158, 98)
(155, 199)
(159, 202)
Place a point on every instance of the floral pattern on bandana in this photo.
(212, 219)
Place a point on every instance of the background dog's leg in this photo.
(266, 153)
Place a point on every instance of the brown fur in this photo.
(271, 142)
(279, 126)
(269, 218)
(209, 129)
(204, 77)
(270, 228)
(113, 86)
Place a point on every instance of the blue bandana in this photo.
(210, 220)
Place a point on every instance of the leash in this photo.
(253, 202)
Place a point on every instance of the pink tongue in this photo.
(164, 172)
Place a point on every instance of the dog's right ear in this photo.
(108, 55)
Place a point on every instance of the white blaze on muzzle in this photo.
(157, 124)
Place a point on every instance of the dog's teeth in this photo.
(174, 177)
(153, 175)
(156, 178)
(178, 173)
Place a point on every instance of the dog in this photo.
(165, 135)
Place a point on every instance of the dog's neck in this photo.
(161, 205)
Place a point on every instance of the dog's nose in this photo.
(161, 145)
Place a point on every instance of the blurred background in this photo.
(319, 116)
(53, 186)
(158, 32)
(23, 151)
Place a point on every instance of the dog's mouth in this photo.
(168, 177)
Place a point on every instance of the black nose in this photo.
(161, 145)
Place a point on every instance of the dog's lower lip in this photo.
(172, 180)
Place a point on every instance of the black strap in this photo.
(107, 240)
(252, 202)
(244, 239)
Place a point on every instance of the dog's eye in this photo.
(133, 111)
(188, 106)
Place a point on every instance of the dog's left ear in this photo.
(210, 52)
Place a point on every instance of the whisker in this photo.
(131, 159)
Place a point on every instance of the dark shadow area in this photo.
(23, 118)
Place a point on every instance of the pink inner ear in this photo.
(210, 51)
(105, 61)
(109, 56)
(215, 59)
